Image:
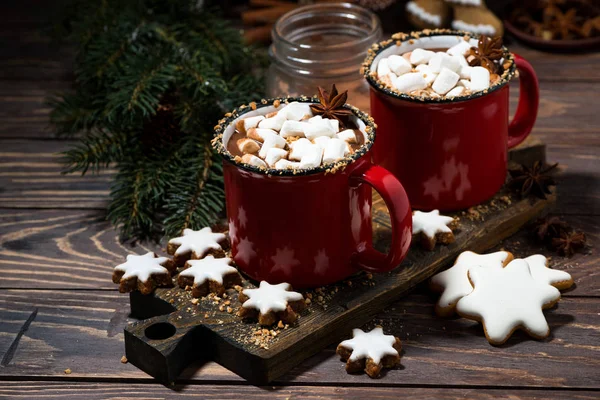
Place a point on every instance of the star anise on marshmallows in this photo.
(331, 105)
(487, 54)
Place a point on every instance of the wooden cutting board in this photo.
(175, 329)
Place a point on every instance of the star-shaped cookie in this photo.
(209, 275)
(271, 303)
(538, 264)
(507, 299)
(370, 351)
(195, 245)
(143, 273)
(429, 228)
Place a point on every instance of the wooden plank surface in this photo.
(96, 391)
(72, 328)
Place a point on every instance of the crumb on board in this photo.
(124, 360)
(68, 371)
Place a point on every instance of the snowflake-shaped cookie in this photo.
(454, 283)
(143, 273)
(431, 227)
(507, 299)
(209, 275)
(538, 264)
(370, 351)
(195, 245)
(271, 303)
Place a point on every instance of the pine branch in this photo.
(96, 151)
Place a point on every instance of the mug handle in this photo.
(529, 100)
(396, 200)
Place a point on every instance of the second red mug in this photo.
(449, 154)
(310, 228)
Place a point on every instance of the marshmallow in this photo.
(445, 81)
(324, 128)
(334, 150)
(321, 141)
(253, 160)
(427, 72)
(462, 61)
(274, 123)
(388, 79)
(383, 68)
(299, 148)
(271, 141)
(480, 79)
(409, 82)
(274, 154)
(244, 125)
(459, 49)
(247, 145)
(296, 111)
(457, 91)
(465, 72)
(399, 65)
(293, 128)
(285, 164)
(347, 135)
(318, 120)
(259, 134)
(443, 60)
(312, 157)
(421, 56)
(464, 83)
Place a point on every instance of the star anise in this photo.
(590, 26)
(532, 180)
(565, 25)
(487, 53)
(568, 243)
(331, 105)
(550, 228)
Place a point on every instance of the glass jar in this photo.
(322, 44)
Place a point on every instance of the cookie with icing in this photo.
(271, 303)
(196, 244)
(143, 273)
(453, 283)
(428, 14)
(507, 299)
(209, 275)
(370, 351)
(538, 264)
(430, 228)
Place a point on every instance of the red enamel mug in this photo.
(310, 228)
(449, 154)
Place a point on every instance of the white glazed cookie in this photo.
(454, 283)
(507, 299)
(370, 351)
(270, 303)
(538, 264)
(209, 275)
(195, 245)
(143, 273)
(431, 227)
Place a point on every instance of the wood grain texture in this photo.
(83, 331)
(97, 391)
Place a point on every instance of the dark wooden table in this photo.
(60, 311)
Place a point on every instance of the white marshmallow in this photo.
(399, 65)
(274, 154)
(445, 81)
(321, 141)
(464, 83)
(299, 148)
(465, 72)
(296, 111)
(421, 56)
(323, 128)
(383, 68)
(274, 123)
(312, 157)
(252, 122)
(347, 135)
(318, 120)
(285, 164)
(271, 141)
(462, 61)
(427, 72)
(253, 160)
(480, 79)
(260, 134)
(388, 79)
(293, 128)
(443, 60)
(409, 82)
(335, 125)
(459, 49)
(335, 150)
(457, 91)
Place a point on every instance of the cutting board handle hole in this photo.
(160, 331)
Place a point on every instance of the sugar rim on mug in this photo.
(223, 124)
(399, 38)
